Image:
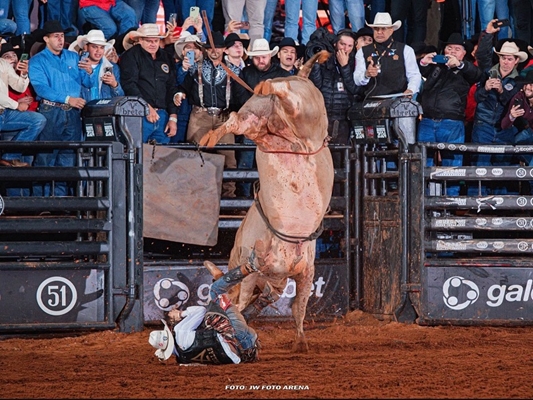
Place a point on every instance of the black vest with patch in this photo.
(206, 349)
(392, 78)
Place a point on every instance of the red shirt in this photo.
(103, 4)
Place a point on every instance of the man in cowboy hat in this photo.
(112, 17)
(209, 90)
(235, 44)
(290, 55)
(102, 77)
(149, 72)
(56, 78)
(386, 66)
(494, 92)
(261, 69)
(187, 42)
(443, 100)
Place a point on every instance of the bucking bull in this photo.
(287, 120)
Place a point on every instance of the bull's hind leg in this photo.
(304, 282)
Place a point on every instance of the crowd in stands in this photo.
(481, 91)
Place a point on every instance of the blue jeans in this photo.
(486, 10)
(487, 134)
(184, 113)
(61, 126)
(156, 129)
(243, 333)
(172, 7)
(292, 18)
(28, 124)
(375, 7)
(117, 21)
(445, 131)
(356, 13)
(268, 20)
(245, 160)
(21, 13)
(63, 11)
(145, 10)
(207, 5)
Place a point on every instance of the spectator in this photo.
(19, 8)
(204, 5)
(356, 14)
(486, 10)
(255, 10)
(64, 11)
(270, 12)
(292, 18)
(15, 120)
(493, 94)
(523, 20)
(235, 45)
(148, 71)
(185, 43)
(520, 114)
(390, 65)
(11, 53)
(363, 37)
(290, 55)
(261, 69)
(218, 331)
(208, 88)
(443, 100)
(415, 12)
(102, 78)
(145, 10)
(56, 79)
(112, 17)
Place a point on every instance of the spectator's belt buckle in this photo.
(63, 106)
(214, 111)
(2, 110)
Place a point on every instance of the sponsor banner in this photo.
(48, 296)
(475, 293)
(167, 286)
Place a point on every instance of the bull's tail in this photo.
(319, 57)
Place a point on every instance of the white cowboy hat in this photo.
(511, 49)
(163, 341)
(260, 47)
(94, 36)
(185, 37)
(146, 30)
(384, 20)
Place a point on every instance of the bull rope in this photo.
(280, 235)
(324, 144)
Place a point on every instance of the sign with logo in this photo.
(167, 286)
(47, 296)
(476, 293)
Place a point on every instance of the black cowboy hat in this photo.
(7, 47)
(457, 38)
(218, 41)
(364, 31)
(50, 26)
(290, 42)
(234, 37)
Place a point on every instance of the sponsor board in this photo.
(463, 293)
(166, 287)
(48, 296)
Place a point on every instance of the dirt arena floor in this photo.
(354, 357)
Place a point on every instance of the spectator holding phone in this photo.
(255, 10)
(101, 77)
(443, 99)
(520, 113)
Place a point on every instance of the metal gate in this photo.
(74, 262)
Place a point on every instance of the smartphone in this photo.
(440, 59)
(194, 12)
(108, 70)
(518, 102)
(493, 74)
(84, 56)
(24, 56)
(190, 56)
(173, 18)
(500, 23)
(245, 25)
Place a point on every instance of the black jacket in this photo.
(252, 76)
(337, 85)
(445, 90)
(153, 80)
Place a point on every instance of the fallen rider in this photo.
(215, 334)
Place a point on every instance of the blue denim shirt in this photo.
(55, 77)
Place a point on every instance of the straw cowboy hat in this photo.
(95, 36)
(384, 20)
(163, 341)
(146, 30)
(511, 49)
(261, 47)
(185, 37)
